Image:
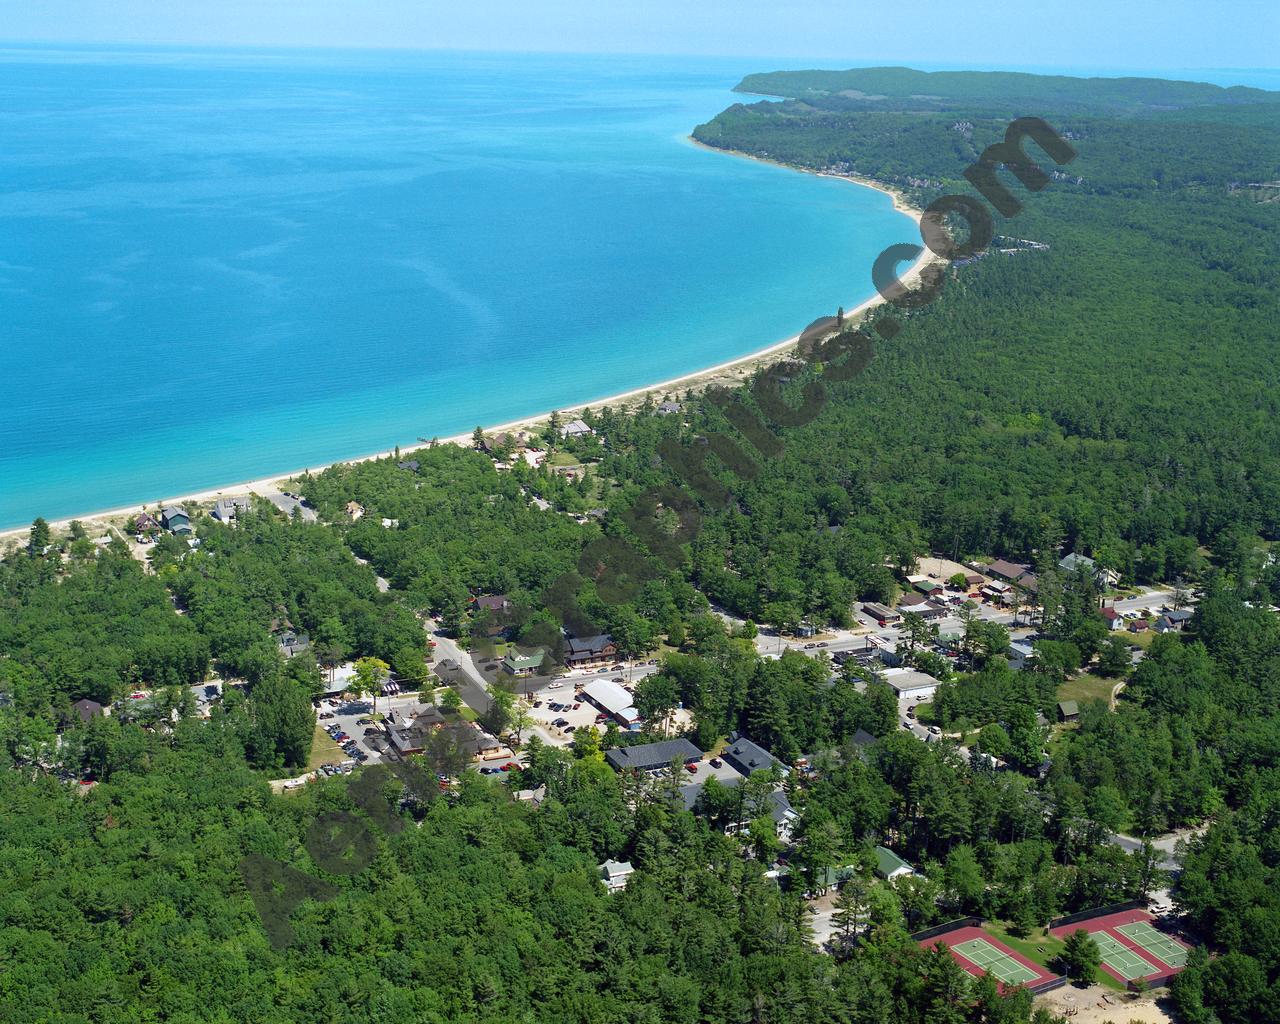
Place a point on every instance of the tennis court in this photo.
(1159, 945)
(1122, 960)
(995, 962)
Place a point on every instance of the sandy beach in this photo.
(729, 373)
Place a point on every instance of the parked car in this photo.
(560, 722)
(510, 766)
(557, 685)
(326, 714)
(935, 731)
(490, 770)
(537, 703)
(576, 706)
(692, 768)
(570, 728)
(371, 731)
(716, 762)
(364, 721)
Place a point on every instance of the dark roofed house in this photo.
(651, 757)
(87, 709)
(1072, 562)
(144, 522)
(175, 519)
(493, 602)
(668, 408)
(590, 651)
(747, 757)
(1068, 710)
(409, 735)
(409, 465)
(862, 738)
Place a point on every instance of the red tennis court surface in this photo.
(1131, 946)
(980, 953)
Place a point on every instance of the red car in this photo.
(510, 766)
(692, 766)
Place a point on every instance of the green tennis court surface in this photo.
(995, 962)
(1157, 944)
(1124, 961)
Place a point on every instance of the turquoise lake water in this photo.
(216, 266)
(220, 265)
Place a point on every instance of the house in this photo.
(862, 739)
(590, 651)
(1068, 710)
(668, 408)
(175, 519)
(227, 509)
(881, 613)
(1139, 626)
(909, 684)
(1020, 655)
(784, 816)
(575, 428)
(615, 873)
(747, 757)
(499, 604)
(522, 665)
(409, 465)
(973, 579)
(145, 523)
(291, 643)
(87, 709)
(1108, 579)
(613, 700)
(890, 866)
(1010, 572)
(652, 757)
(1072, 562)
(1113, 619)
(541, 504)
(533, 797)
(1177, 618)
(912, 601)
(355, 511)
(930, 588)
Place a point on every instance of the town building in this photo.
(652, 757)
(613, 700)
(590, 651)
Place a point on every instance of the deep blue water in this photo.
(217, 265)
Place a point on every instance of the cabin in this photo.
(1009, 572)
(1068, 711)
(355, 511)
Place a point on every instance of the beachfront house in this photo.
(175, 519)
(576, 428)
(227, 509)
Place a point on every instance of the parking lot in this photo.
(355, 718)
(555, 711)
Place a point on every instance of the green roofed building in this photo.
(890, 866)
(522, 664)
(1068, 710)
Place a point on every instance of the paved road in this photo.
(1164, 845)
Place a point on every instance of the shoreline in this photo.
(727, 373)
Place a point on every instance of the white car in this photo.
(556, 686)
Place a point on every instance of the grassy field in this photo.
(1042, 948)
(1086, 687)
(323, 750)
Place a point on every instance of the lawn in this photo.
(1041, 948)
(1086, 687)
(323, 750)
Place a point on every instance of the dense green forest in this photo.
(1113, 394)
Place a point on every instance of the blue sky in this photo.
(1137, 34)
